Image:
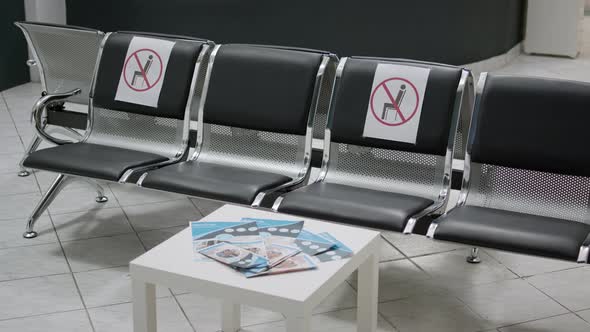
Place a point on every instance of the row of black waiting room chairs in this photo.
(526, 178)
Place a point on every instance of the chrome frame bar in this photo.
(465, 182)
(186, 124)
(443, 197)
(306, 161)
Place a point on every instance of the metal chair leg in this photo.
(54, 189)
(473, 256)
(30, 149)
(100, 196)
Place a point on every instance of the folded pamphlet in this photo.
(234, 256)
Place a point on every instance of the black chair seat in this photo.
(512, 231)
(230, 184)
(352, 205)
(90, 160)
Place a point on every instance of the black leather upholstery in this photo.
(533, 123)
(175, 87)
(262, 88)
(512, 231)
(352, 100)
(230, 184)
(357, 206)
(90, 160)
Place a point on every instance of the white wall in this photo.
(48, 11)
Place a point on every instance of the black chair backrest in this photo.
(532, 123)
(176, 82)
(352, 100)
(262, 88)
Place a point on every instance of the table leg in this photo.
(230, 317)
(367, 297)
(144, 306)
(299, 323)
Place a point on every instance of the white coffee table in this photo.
(295, 295)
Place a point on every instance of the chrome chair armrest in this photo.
(289, 186)
(431, 209)
(145, 169)
(40, 106)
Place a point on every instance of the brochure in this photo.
(340, 251)
(276, 253)
(208, 233)
(234, 256)
(300, 262)
(269, 227)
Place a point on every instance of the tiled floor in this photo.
(74, 276)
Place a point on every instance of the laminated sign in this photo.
(395, 103)
(144, 70)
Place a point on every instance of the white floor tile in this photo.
(45, 179)
(80, 199)
(563, 323)
(128, 194)
(206, 206)
(418, 245)
(388, 252)
(32, 261)
(432, 313)
(152, 238)
(7, 129)
(9, 161)
(11, 144)
(337, 321)
(509, 302)
(566, 287)
(11, 232)
(92, 223)
(108, 286)
(397, 271)
(162, 215)
(13, 184)
(205, 313)
(343, 297)
(36, 296)
(102, 252)
(75, 321)
(18, 206)
(119, 317)
(525, 265)
(452, 271)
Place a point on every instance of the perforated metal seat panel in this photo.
(386, 170)
(252, 149)
(532, 192)
(66, 55)
(162, 136)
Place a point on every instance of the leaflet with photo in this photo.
(276, 253)
(234, 256)
(208, 233)
(300, 262)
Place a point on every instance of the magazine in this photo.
(234, 256)
(300, 262)
(208, 233)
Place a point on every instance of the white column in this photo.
(47, 11)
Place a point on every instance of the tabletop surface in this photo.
(175, 256)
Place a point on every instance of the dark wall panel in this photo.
(451, 31)
(13, 52)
